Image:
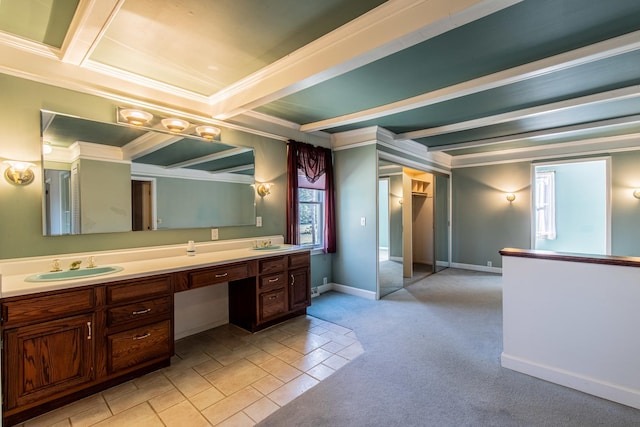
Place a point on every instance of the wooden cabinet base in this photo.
(19, 415)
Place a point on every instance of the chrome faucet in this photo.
(75, 265)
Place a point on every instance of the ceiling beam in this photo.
(147, 143)
(554, 107)
(389, 28)
(544, 134)
(208, 158)
(89, 23)
(596, 52)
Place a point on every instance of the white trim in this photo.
(593, 386)
(350, 290)
(475, 267)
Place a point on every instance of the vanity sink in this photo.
(72, 274)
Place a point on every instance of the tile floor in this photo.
(221, 377)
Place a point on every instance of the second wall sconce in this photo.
(510, 197)
(636, 193)
(263, 189)
(19, 173)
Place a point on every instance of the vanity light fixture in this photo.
(264, 189)
(175, 125)
(19, 173)
(510, 197)
(636, 193)
(136, 117)
(208, 132)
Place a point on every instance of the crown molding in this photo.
(602, 145)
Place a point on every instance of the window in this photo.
(311, 212)
(310, 199)
(545, 205)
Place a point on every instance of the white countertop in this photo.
(144, 262)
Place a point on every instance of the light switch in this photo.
(363, 221)
(258, 221)
(214, 234)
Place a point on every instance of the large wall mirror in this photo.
(111, 177)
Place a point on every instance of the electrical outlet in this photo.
(214, 234)
(258, 221)
(489, 264)
(324, 280)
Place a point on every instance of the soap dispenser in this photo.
(191, 248)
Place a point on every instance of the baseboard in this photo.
(347, 290)
(475, 267)
(593, 386)
(396, 258)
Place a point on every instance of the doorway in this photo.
(143, 212)
(413, 226)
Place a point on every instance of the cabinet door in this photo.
(299, 289)
(48, 358)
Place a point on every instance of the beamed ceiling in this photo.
(466, 80)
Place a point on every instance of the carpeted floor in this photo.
(432, 358)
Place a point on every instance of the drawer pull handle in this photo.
(145, 311)
(221, 275)
(293, 279)
(274, 280)
(272, 297)
(89, 330)
(141, 337)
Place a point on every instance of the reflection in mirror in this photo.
(108, 177)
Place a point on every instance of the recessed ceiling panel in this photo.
(62, 131)
(203, 46)
(184, 150)
(42, 21)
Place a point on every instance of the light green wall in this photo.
(625, 209)
(232, 203)
(21, 215)
(356, 177)
(395, 220)
(105, 196)
(483, 220)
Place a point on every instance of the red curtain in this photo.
(312, 163)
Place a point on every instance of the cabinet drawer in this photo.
(273, 281)
(47, 307)
(140, 289)
(272, 304)
(139, 311)
(271, 265)
(220, 274)
(299, 260)
(139, 345)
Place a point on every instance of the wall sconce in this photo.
(175, 125)
(636, 193)
(208, 132)
(510, 197)
(264, 189)
(47, 148)
(19, 173)
(400, 200)
(136, 117)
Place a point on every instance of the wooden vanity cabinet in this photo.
(59, 346)
(280, 290)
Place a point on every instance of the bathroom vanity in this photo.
(66, 340)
